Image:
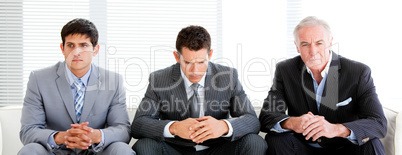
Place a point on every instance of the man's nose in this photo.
(77, 51)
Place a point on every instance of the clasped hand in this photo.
(199, 129)
(79, 136)
(315, 126)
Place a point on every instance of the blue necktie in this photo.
(78, 99)
(194, 102)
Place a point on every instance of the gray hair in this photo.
(311, 21)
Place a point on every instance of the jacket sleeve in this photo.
(274, 106)
(146, 123)
(243, 120)
(33, 119)
(117, 123)
(372, 122)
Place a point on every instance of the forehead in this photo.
(77, 38)
(190, 55)
(308, 33)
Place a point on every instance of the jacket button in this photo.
(319, 140)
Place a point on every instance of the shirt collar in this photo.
(326, 69)
(187, 82)
(71, 77)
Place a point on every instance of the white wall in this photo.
(366, 31)
(254, 39)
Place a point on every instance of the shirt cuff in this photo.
(99, 147)
(166, 132)
(230, 133)
(51, 143)
(277, 128)
(352, 137)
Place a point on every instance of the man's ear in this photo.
(210, 54)
(96, 50)
(176, 56)
(62, 48)
(297, 48)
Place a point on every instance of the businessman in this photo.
(75, 107)
(331, 103)
(186, 107)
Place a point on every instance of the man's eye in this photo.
(70, 45)
(84, 45)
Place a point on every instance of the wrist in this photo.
(59, 137)
(343, 131)
(226, 127)
(172, 128)
(286, 125)
(98, 136)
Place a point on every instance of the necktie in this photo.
(194, 102)
(78, 99)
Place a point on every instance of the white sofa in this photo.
(10, 126)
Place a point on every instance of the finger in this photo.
(76, 131)
(197, 126)
(201, 136)
(318, 135)
(309, 122)
(310, 113)
(313, 132)
(309, 128)
(87, 129)
(86, 139)
(205, 138)
(203, 118)
(198, 132)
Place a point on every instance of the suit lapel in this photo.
(181, 94)
(308, 89)
(65, 91)
(209, 92)
(330, 95)
(92, 91)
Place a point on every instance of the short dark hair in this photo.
(80, 26)
(193, 38)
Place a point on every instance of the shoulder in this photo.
(166, 72)
(217, 68)
(49, 71)
(353, 66)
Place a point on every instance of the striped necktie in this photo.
(79, 98)
(194, 102)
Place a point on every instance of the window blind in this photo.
(136, 37)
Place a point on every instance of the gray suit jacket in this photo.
(166, 100)
(49, 105)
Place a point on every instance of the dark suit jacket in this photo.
(293, 90)
(166, 100)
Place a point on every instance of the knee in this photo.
(119, 148)
(254, 142)
(32, 149)
(148, 146)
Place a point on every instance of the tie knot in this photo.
(195, 86)
(78, 84)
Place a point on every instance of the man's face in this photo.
(78, 52)
(194, 64)
(313, 44)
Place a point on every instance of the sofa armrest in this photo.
(391, 142)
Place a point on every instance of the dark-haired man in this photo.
(75, 107)
(187, 106)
